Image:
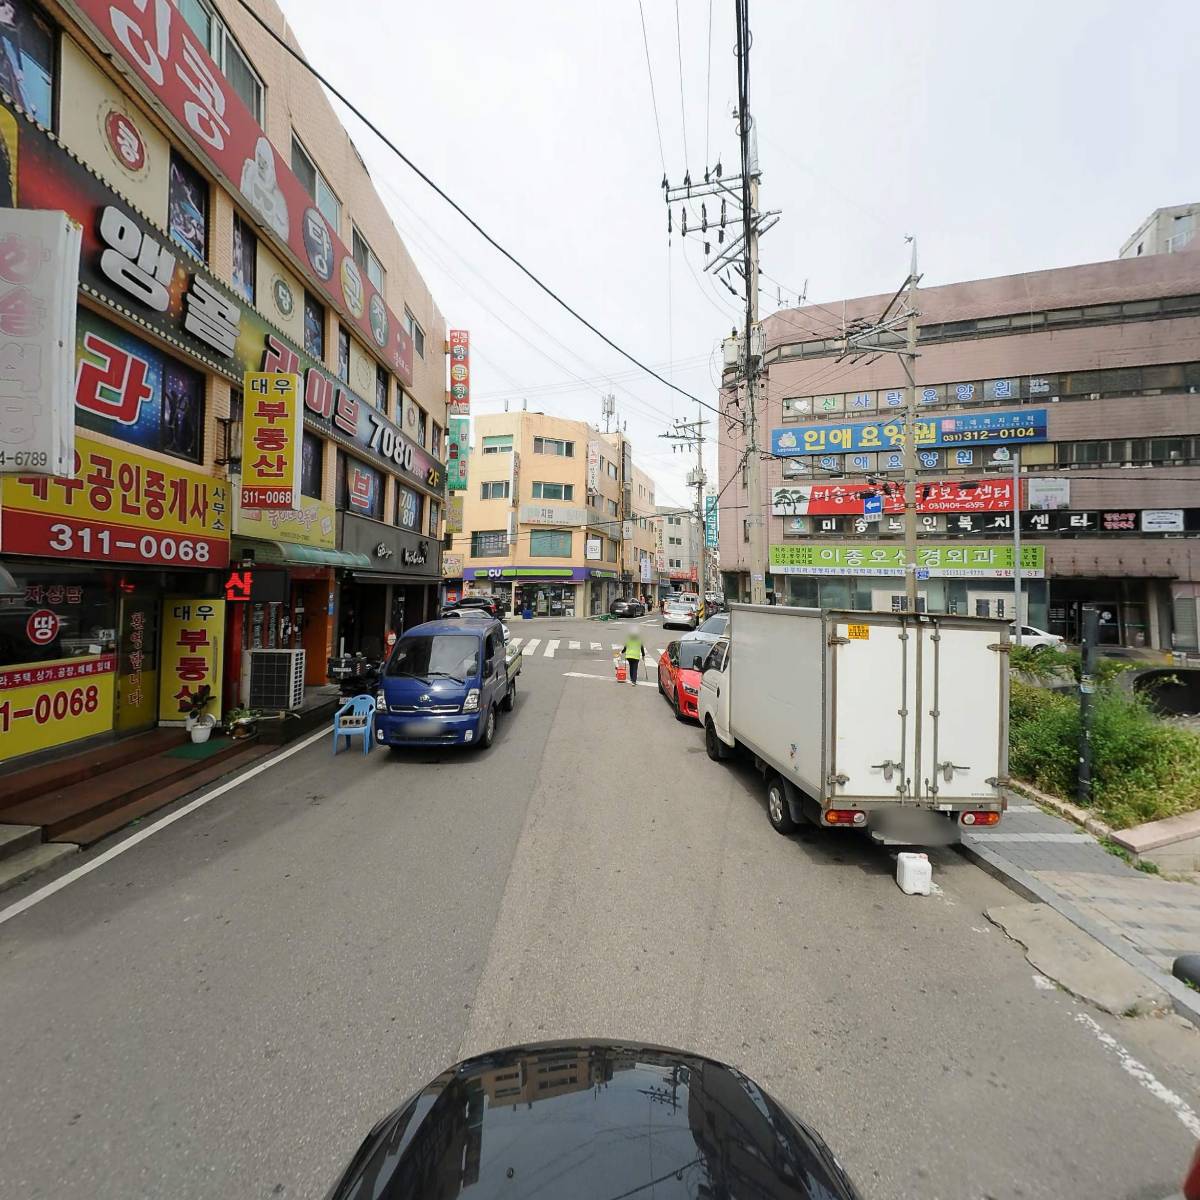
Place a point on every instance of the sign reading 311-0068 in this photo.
(271, 434)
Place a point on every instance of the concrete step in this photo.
(15, 838)
(29, 862)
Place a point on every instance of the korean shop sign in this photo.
(945, 497)
(460, 373)
(962, 429)
(329, 406)
(154, 42)
(118, 507)
(458, 448)
(47, 704)
(271, 427)
(192, 640)
(39, 271)
(942, 562)
(310, 523)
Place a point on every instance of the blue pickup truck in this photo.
(443, 684)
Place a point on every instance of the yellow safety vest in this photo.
(633, 647)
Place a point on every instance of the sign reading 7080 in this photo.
(962, 429)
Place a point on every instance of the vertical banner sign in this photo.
(271, 433)
(460, 373)
(593, 467)
(191, 655)
(39, 277)
(457, 447)
(710, 521)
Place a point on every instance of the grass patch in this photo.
(1120, 852)
(1142, 769)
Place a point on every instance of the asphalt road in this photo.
(227, 1007)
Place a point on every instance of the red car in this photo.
(1191, 1185)
(679, 671)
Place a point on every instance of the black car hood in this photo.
(592, 1121)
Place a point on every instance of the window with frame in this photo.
(553, 491)
(494, 489)
(674, 541)
(435, 440)
(382, 378)
(415, 332)
(501, 443)
(610, 550)
(610, 507)
(343, 366)
(612, 470)
(314, 184)
(28, 66)
(187, 207)
(314, 327)
(675, 563)
(489, 543)
(366, 258)
(312, 465)
(410, 508)
(550, 543)
(422, 424)
(556, 446)
(435, 517)
(226, 53)
(360, 488)
(245, 259)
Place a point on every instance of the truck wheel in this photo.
(778, 812)
(510, 697)
(487, 734)
(716, 749)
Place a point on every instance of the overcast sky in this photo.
(1033, 134)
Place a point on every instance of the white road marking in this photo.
(596, 646)
(531, 645)
(551, 647)
(1043, 984)
(615, 646)
(585, 675)
(659, 652)
(573, 645)
(515, 643)
(43, 893)
(1142, 1073)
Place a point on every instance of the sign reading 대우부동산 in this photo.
(192, 633)
(39, 277)
(271, 431)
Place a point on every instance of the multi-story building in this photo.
(680, 550)
(1085, 379)
(229, 226)
(1165, 231)
(557, 517)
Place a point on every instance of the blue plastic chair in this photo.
(356, 718)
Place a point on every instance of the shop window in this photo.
(366, 259)
(83, 622)
(158, 403)
(359, 487)
(495, 489)
(489, 543)
(553, 491)
(343, 363)
(226, 53)
(312, 465)
(314, 327)
(381, 388)
(550, 543)
(410, 507)
(314, 184)
(28, 59)
(187, 207)
(245, 259)
(415, 332)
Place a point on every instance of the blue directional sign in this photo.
(873, 507)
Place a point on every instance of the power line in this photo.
(653, 96)
(679, 57)
(707, 86)
(483, 233)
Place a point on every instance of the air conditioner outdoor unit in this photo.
(276, 679)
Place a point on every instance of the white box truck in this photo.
(892, 722)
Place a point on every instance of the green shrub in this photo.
(1142, 769)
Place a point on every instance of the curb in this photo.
(1183, 1000)
(1069, 812)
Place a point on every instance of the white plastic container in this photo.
(914, 874)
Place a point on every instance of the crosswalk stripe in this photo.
(659, 652)
(596, 646)
(615, 646)
(551, 646)
(531, 645)
(573, 645)
(515, 643)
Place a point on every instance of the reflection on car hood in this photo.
(596, 1121)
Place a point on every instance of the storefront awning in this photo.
(392, 577)
(284, 553)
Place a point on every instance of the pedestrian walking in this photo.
(634, 653)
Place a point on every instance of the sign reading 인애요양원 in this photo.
(271, 433)
(191, 655)
(940, 561)
(46, 704)
(963, 429)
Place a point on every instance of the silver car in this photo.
(679, 614)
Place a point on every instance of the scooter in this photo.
(355, 675)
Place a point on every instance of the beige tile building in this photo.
(557, 516)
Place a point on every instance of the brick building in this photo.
(229, 225)
(1091, 374)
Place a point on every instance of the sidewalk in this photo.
(1145, 920)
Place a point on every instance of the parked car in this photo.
(678, 614)
(444, 683)
(1037, 639)
(627, 607)
(665, 600)
(713, 629)
(690, 598)
(472, 614)
(490, 603)
(714, 602)
(1191, 1184)
(679, 671)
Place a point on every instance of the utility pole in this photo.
(1087, 688)
(684, 435)
(1016, 515)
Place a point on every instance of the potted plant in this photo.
(198, 723)
(242, 722)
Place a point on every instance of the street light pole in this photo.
(909, 359)
(1016, 514)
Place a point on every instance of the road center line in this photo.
(44, 893)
